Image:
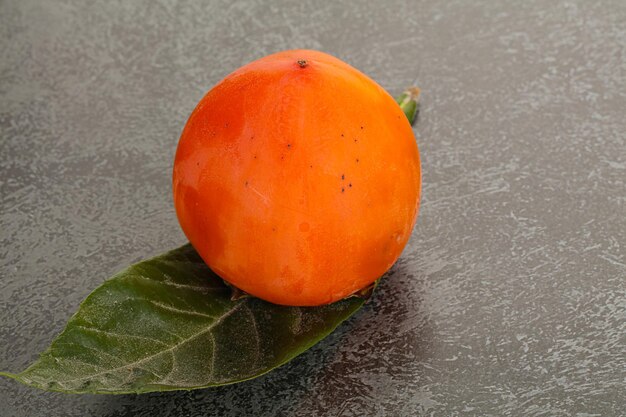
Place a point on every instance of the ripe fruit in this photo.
(297, 179)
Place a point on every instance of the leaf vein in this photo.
(171, 283)
(174, 309)
(98, 351)
(214, 342)
(257, 339)
(217, 321)
(120, 335)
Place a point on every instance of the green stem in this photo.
(409, 102)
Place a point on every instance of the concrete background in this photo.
(510, 299)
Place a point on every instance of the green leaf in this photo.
(169, 323)
(409, 102)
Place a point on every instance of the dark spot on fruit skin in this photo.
(343, 189)
(356, 140)
(357, 160)
(273, 229)
(289, 145)
(350, 185)
(246, 183)
(342, 135)
(310, 166)
(197, 163)
(343, 177)
(254, 156)
(361, 127)
(282, 157)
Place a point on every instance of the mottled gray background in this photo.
(510, 299)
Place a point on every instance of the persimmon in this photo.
(297, 179)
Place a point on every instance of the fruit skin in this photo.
(297, 179)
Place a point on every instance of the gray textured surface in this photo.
(511, 296)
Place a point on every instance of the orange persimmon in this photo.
(297, 179)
